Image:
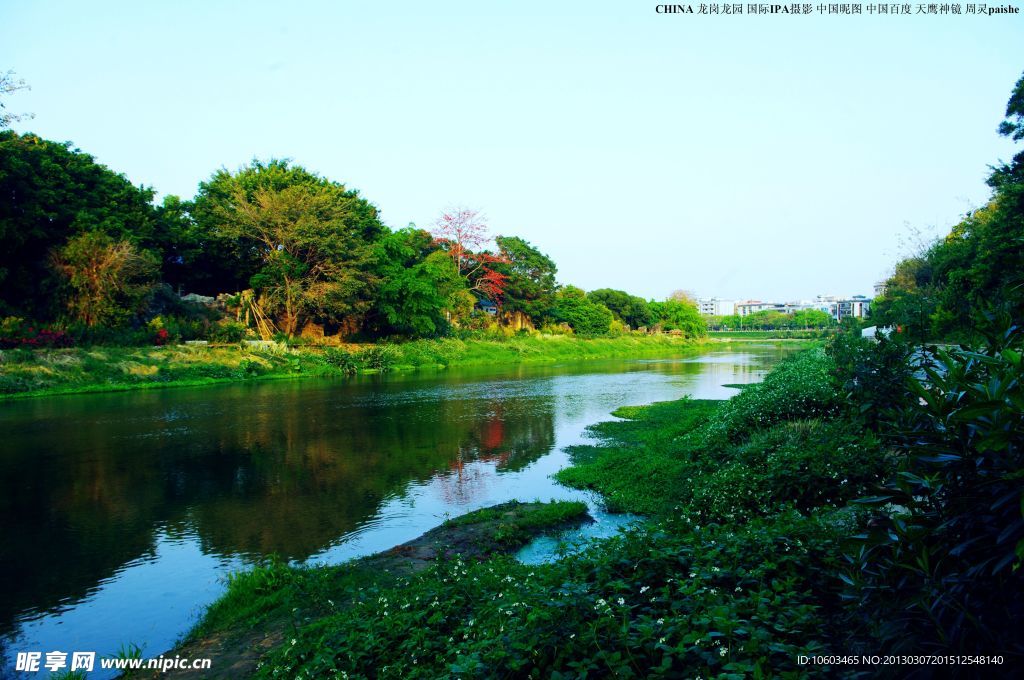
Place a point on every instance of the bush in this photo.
(941, 568)
(378, 357)
(798, 388)
(340, 359)
(16, 333)
(228, 332)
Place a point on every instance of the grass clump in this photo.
(514, 523)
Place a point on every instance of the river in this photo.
(122, 513)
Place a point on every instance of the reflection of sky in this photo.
(151, 601)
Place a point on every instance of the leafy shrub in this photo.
(799, 387)
(873, 375)
(16, 333)
(798, 464)
(378, 357)
(941, 567)
(227, 332)
(340, 359)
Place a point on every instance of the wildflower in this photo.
(644, 589)
(661, 641)
(661, 621)
(723, 651)
(294, 641)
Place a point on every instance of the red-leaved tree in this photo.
(462, 233)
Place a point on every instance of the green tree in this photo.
(310, 240)
(50, 192)
(105, 282)
(585, 316)
(419, 285)
(630, 309)
(529, 278)
(678, 315)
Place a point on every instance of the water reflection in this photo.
(121, 511)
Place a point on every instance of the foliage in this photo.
(8, 85)
(462, 234)
(105, 282)
(679, 315)
(514, 523)
(940, 568)
(798, 388)
(801, 319)
(311, 237)
(16, 333)
(419, 285)
(630, 309)
(529, 278)
(583, 315)
(341, 359)
(53, 192)
(976, 267)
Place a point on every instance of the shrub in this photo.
(16, 333)
(799, 387)
(378, 357)
(228, 332)
(340, 359)
(941, 567)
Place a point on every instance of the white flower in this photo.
(661, 622)
(723, 651)
(644, 589)
(621, 601)
(294, 641)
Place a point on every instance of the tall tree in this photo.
(463, 234)
(529, 278)
(585, 316)
(50, 192)
(419, 285)
(630, 309)
(310, 239)
(104, 281)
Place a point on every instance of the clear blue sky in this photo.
(741, 156)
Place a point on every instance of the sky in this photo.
(744, 157)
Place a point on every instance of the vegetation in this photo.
(800, 320)
(64, 370)
(282, 248)
(800, 517)
(956, 287)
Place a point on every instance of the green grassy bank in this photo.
(27, 373)
(767, 539)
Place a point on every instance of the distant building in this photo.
(880, 288)
(716, 307)
(752, 306)
(487, 307)
(837, 307)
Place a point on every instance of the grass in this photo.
(513, 523)
(30, 373)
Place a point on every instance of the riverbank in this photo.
(263, 604)
(33, 373)
(734, 572)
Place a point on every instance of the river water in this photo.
(121, 514)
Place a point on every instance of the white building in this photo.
(716, 307)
